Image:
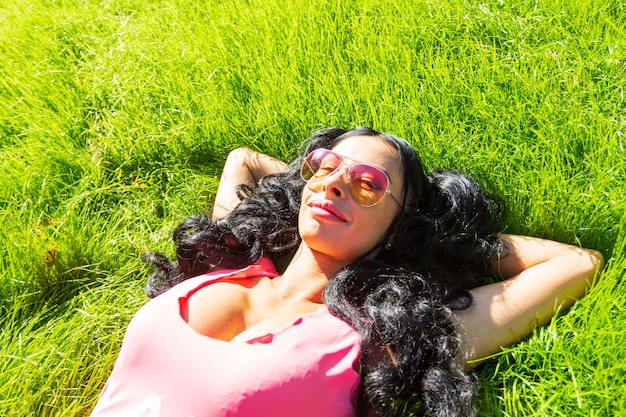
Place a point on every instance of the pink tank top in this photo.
(165, 368)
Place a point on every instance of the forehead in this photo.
(373, 151)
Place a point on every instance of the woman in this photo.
(382, 268)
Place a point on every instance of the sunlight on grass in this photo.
(116, 117)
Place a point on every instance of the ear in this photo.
(389, 242)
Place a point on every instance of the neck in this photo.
(308, 273)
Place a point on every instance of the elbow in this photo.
(597, 257)
(239, 154)
(595, 261)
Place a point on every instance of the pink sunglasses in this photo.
(367, 184)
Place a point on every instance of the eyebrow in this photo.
(364, 163)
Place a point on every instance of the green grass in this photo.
(116, 116)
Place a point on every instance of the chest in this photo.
(240, 310)
(307, 360)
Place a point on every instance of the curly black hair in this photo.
(436, 249)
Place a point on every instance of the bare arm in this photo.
(243, 166)
(543, 277)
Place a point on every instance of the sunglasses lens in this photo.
(318, 164)
(368, 184)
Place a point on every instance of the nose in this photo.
(335, 184)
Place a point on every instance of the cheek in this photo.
(373, 226)
(380, 218)
(378, 233)
(305, 224)
(305, 195)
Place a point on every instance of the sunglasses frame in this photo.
(350, 182)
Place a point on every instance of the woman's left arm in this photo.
(542, 278)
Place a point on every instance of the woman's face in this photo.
(331, 222)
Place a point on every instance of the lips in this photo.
(327, 206)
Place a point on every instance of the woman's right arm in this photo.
(243, 166)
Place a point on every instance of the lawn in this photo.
(116, 117)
